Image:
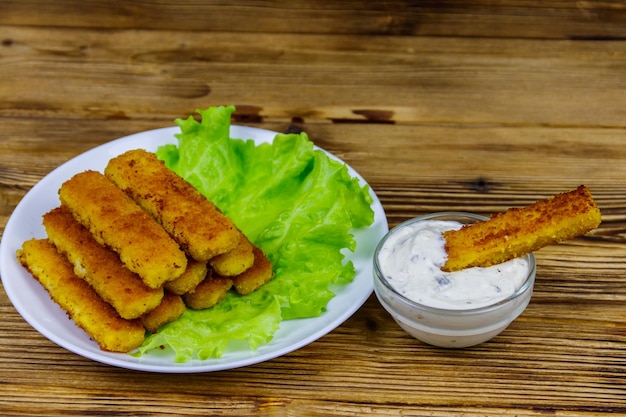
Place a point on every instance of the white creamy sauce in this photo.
(411, 259)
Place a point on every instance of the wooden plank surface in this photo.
(446, 105)
(128, 74)
(557, 19)
(567, 348)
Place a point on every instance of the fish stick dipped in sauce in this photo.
(100, 266)
(201, 229)
(519, 231)
(117, 222)
(96, 317)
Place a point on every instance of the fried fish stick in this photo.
(519, 231)
(236, 261)
(97, 318)
(253, 278)
(193, 275)
(171, 308)
(201, 229)
(116, 221)
(99, 266)
(208, 293)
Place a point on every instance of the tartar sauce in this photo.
(411, 261)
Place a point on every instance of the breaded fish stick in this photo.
(193, 221)
(171, 308)
(208, 293)
(193, 275)
(254, 277)
(236, 261)
(116, 221)
(97, 318)
(99, 266)
(519, 231)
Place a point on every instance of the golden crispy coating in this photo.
(193, 275)
(171, 308)
(99, 266)
(209, 292)
(99, 320)
(236, 261)
(519, 231)
(116, 221)
(253, 278)
(194, 222)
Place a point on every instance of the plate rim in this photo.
(150, 140)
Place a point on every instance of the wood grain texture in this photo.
(345, 79)
(562, 19)
(450, 105)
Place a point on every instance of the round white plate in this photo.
(32, 301)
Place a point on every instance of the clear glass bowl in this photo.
(451, 328)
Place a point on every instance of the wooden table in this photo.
(439, 105)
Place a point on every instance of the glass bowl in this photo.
(450, 327)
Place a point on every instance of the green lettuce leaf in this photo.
(293, 201)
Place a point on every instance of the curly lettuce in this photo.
(293, 201)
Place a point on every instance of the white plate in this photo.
(35, 306)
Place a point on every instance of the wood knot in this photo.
(481, 185)
(371, 324)
(247, 114)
